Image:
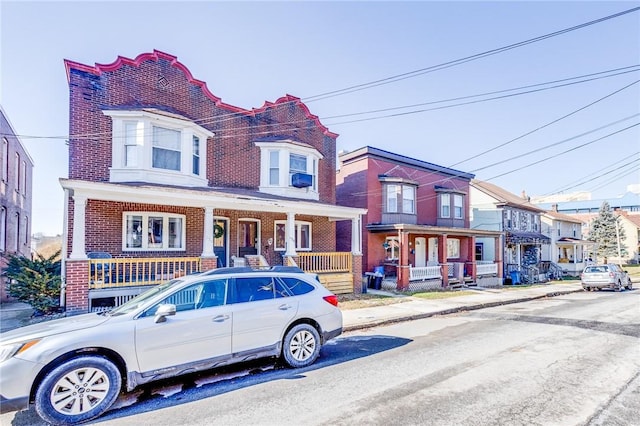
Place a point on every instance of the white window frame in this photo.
(143, 231)
(282, 184)
(298, 226)
(453, 248)
(392, 191)
(392, 247)
(445, 205)
(128, 144)
(400, 198)
(195, 156)
(458, 206)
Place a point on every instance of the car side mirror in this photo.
(164, 311)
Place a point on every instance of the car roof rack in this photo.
(246, 270)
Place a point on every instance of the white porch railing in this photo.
(487, 269)
(425, 273)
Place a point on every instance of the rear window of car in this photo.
(297, 286)
(596, 269)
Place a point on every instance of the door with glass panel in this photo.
(221, 241)
(247, 237)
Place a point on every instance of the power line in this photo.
(455, 62)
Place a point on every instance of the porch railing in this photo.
(486, 269)
(325, 262)
(113, 273)
(422, 273)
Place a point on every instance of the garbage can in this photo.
(365, 284)
(377, 281)
(515, 277)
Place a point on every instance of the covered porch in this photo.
(419, 257)
(123, 238)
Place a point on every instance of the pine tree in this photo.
(603, 232)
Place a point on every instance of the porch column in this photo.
(442, 259)
(403, 262)
(79, 223)
(207, 240)
(499, 250)
(290, 234)
(473, 264)
(356, 235)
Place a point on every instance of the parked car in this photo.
(72, 369)
(610, 275)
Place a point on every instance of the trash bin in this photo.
(365, 284)
(515, 277)
(377, 281)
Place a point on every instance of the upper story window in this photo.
(575, 230)
(17, 171)
(451, 205)
(152, 231)
(23, 177)
(400, 198)
(5, 160)
(289, 168)
(157, 147)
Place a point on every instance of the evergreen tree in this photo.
(603, 232)
(35, 281)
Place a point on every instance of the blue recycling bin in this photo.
(515, 277)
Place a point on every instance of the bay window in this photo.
(451, 205)
(400, 198)
(157, 147)
(282, 161)
(153, 231)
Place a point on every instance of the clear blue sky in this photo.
(252, 52)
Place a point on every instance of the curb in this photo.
(414, 317)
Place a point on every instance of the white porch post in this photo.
(356, 235)
(290, 234)
(79, 223)
(207, 240)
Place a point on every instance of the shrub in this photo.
(35, 281)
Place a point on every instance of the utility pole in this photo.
(618, 241)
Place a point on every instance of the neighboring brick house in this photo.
(417, 221)
(162, 171)
(15, 198)
(493, 208)
(567, 247)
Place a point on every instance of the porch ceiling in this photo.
(527, 238)
(217, 198)
(433, 230)
(571, 241)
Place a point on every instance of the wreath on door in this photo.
(218, 231)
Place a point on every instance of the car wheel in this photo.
(630, 285)
(301, 346)
(619, 287)
(78, 390)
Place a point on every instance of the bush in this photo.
(36, 282)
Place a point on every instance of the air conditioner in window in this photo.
(301, 180)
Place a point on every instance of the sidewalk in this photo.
(17, 314)
(417, 308)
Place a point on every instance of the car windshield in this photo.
(143, 298)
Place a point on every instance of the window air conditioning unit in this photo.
(301, 180)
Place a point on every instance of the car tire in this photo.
(78, 390)
(301, 346)
(629, 286)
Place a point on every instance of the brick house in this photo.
(417, 222)
(165, 179)
(15, 198)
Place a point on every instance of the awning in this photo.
(575, 241)
(527, 238)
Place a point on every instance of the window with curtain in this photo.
(302, 231)
(458, 202)
(195, 168)
(445, 205)
(297, 164)
(166, 149)
(153, 231)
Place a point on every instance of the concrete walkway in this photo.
(417, 308)
(16, 314)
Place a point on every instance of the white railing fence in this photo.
(425, 273)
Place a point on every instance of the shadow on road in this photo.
(198, 386)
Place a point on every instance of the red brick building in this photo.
(417, 221)
(162, 171)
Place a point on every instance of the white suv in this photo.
(73, 368)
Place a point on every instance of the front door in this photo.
(247, 237)
(421, 252)
(221, 241)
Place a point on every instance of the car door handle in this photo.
(220, 318)
(284, 307)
